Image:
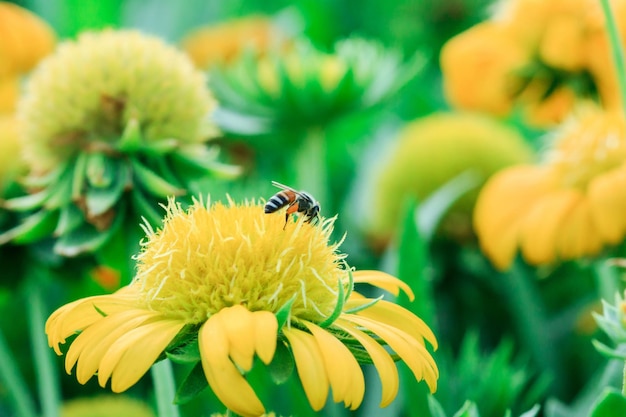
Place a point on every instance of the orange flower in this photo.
(569, 207)
(24, 39)
(226, 41)
(478, 67)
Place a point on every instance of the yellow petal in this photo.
(344, 373)
(79, 314)
(385, 281)
(222, 375)
(578, 235)
(309, 363)
(266, 335)
(95, 332)
(394, 315)
(237, 323)
(130, 357)
(502, 205)
(542, 225)
(99, 337)
(380, 358)
(607, 201)
(415, 355)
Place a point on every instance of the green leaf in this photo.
(338, 307)
(436, 410)
(282, 315)
(34, 227)
(27, 202)
(131, 140)
(152, 182)
(144, 208)
(432, 210)
(100, 170)
(86, 238)
(70, 217)
(78, 179)
(60, 192)
(282, 364)
(611, 404)
(192, 166)
(99, 200)
(469, 409)
(192, 385)
(185, 353)
(532, 412)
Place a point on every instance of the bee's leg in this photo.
(293, 208)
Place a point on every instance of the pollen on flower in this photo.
(209, 257)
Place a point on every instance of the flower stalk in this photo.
(47, 381)
(14, 383)
(164, 388)
(617, 49)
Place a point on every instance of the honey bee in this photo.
(296, 202)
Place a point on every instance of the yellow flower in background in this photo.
(430, 152)
(24, 40)
(85, 94)
(9, 92)
(569, 207)
(555, 29)
(479, 67)
(225, 42)
(11, 162)
(105, 406)
(244, 285)
(548, 111)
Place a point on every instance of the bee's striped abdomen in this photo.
(278, 201)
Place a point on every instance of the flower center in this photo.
(206, 259)
(592, 145)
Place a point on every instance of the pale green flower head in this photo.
(85, 94)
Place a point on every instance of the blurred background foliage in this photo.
(508, 340)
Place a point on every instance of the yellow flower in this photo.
(569, 207)
(11, 162)
(224, 42)
(433, 150)
(105, 406)
(234, 277)
(479, 68)
(84, 95)
(24, 40)
(541, 110)
(9, 91)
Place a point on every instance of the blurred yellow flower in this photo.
(85, 94)
(225, 42)
(432, 151)
(11, 162)
(105, 406)
(9, 91)
(24, 39)
(550, 110)
(234, 277)
(570, 206)
(479, 67)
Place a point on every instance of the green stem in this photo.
(311, 166)
(617, 49)
(47, 380)
(12, 381)
(165, 389)
(624, 380)
(607, 280)
(530, 318)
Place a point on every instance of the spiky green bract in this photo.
(305, 87)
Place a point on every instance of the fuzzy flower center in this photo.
(207, 258)
(590, 146)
